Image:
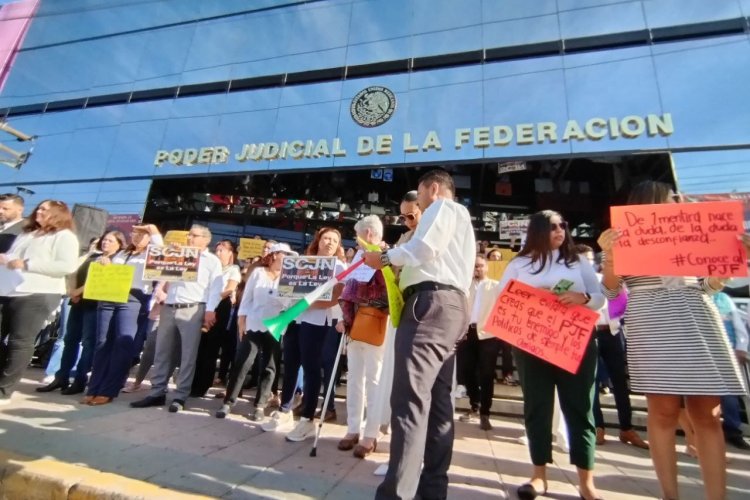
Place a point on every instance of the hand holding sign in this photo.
(535, 321)
(678, 239)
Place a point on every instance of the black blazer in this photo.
(8, 236)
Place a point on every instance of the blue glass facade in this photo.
(105, 154)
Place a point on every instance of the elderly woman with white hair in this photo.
(364, 303)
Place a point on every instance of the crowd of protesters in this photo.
(681, 341)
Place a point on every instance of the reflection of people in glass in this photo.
(677, 348)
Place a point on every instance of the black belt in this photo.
(185, 306)
(428, 286)
(603, 328)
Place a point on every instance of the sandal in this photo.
(361, 451)
(348, 443)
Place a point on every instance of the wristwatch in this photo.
(384, 260)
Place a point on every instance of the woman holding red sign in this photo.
(548, 260)
(677, 348)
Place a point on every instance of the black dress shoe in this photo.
(528, 492)
(177, 405)
(74, 388)
(149, 401)
(52, 386)
(737, 441)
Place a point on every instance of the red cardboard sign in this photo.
(535, 321)
(680, 239)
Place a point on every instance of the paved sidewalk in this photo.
(193, 452)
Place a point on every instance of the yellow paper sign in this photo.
(250, 247)
(110, 283)
(496, 269)
(395, 298)
(178, 237)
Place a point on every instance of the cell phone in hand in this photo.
(562, 286)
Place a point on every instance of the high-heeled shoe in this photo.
(52, 386)
(362, 451)
(527, 491)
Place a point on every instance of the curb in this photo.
(43, 478)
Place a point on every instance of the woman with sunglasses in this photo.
(677, 349)
(118, 324)
(33, 282)
(547, 258)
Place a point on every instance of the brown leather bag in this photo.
(369, 325)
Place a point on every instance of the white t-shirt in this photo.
(138, 261)
(322, 317)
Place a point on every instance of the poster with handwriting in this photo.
(176, 237)
(534, 320)
(250, 247)
(301, 275)
(680, 239)
(171, 263)
(110, 283)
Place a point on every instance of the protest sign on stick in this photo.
(535, 321)
(301, 275)
(110, 283)
(171, 263)
(680, 239)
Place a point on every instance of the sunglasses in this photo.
(554, 226)
(676, 197)
(405, 217)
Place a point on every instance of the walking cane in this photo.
(314, 451)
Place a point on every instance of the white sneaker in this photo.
(460, 392)
(278, 421)
(305, 428)
(523, 440)
(382, 470)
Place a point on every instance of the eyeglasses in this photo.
(410, 217)
(554, 226)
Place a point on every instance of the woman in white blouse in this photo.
(118, 324)
(549, 256)
(32, 282)
(259, 301)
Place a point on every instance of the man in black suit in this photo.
(11, 217)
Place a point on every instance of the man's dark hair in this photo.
(582, 248)
(11, 197)
(442, 177)
(410, 197)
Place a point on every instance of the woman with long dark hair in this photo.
(80, 329)
(118, 324)
(215, 339)
(34, 280)
(677, 349)
(547, 257)
(304, 346)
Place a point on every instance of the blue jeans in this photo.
(118, 327)
(80, 333)
(55, 358)
(312, 338)
(730, 410)
(292, 365)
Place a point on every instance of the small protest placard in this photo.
(496, 268)
(301, 275)
(176, 237)
(534, 320)
(110, 283)
(250, 247)
(171, 263)
(680, 239)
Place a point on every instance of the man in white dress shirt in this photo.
(11, 216)
(189, 307)
(438, 264)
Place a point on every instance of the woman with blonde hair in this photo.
(33, 283)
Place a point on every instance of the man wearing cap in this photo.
(438, 264)
(189, 307)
